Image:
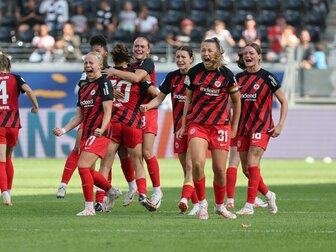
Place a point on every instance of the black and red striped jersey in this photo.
(127, 110)
(174, 84)
(147, 65)
(211, 90)
(256, 93)
(90, 98)
(10, 88)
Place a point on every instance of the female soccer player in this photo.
(174, 84)
(209, 86)
(10, 87)
(126, 121)
(145, 70)
(256, 126)
(94, 109)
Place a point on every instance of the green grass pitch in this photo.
(306, 221)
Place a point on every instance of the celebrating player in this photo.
(174, 84)
(256, 126)
(10, 87)
(94, 109)
(209, 86)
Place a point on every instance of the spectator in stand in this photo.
(30, 17)
(146, 25)
(67, 48)
(56, 14)
(44, 44)
(306, 49)
(224, 36)
(183, 37)
(249, 34)
(105, 19)
(289, 39)
(274, 35)
(80, 21)
(127, 18)
(319, 56)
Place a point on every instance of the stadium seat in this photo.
(297, 5)
(8, 21)
(123, 36)
(267, 17)
(201, 5)
(154, 5)
(5, 34)
(225, 16)
(167, 29)
(199, 18)
(197, 34)
(236, 32)
(173, 18)
(293, 18)
(315, 18)
(248, 5)
(240, 17)
(26, 36)
(274, 5)
(226, 5)
(262, 32)
(177, 5)
(314, 32)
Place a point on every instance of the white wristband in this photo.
(63, 131)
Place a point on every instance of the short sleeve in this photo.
(272, 82)
(106, 89)
(20, 81)
(147, 65)
(165, 85)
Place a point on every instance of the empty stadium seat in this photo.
(154, 5)
(201, 5)
(123, 36)
(8, 21)
(267, 17)
(26, 36)
(177, 5)
(297, 5)
(314, 32)
(248, 5)
(197, 34)
(262, 32)
(293, 18)
(199, 18)
(274, 5)
(5, 34)
(315, 18)
(226, 5)
(236, 32)
(173, 18)
(225, 16)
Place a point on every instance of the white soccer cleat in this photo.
(129, 198)
(222, 211)
(194, 210)
(156, 199)
(109, 203)
(203, 211)
(143, 200)
(87, 212)
(271, 203)
(245, 211)
(61, 191)
(260, 203)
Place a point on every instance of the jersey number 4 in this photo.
(3, 92)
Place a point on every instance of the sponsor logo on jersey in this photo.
(248, 96)
(86, 103)
(93, 92)
(238, 143)
(4, 107)
(217, 83)
(180, 98)
(209, 91)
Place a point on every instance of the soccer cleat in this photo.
(221, 210)
(183, 207)
(194, 210)
(156, 199)
(61, 191)
(203, 211)
(245, 211)
(271, 203)
(109, 203)
(260, 203)
(129, 198)
(99, 207)
(87, 212)
(146, 203)
(229, 205)
(7, 202)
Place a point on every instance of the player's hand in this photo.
(143, 107)
(118, 95)
(275, 132)
(180, 132)
(34, 110)
(108, 72)
(98, 132)
(233, 133)
(57, 132)
(147, 78)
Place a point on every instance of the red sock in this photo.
(194, 198)
(70, 166)
(262, 186)
(231, 179)
(219, 192)
(253, 183)
(87, 183)
(3, 177)
(100, 181)
(127, 168)
(154, 171)
(200, 188)
(187, 191)
(10, 172)
(141, 184)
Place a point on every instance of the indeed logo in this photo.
(249, 96)
(86, 102)
(210, 91)
(179, 97)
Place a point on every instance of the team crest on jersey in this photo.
(192, 131)
(238, 143)
(177, 146)
(256, 86)
(92, 92)
(217, 83)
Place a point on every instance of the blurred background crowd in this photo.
(58, 30)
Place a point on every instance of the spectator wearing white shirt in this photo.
(146, 25)
(44, 44)
(127, 18)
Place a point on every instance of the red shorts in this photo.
(234, 141)
(149, 121)
(218, 136)
(181, 144)
(125, 135)
(255, 139)
(9, 136)
(96, 145)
